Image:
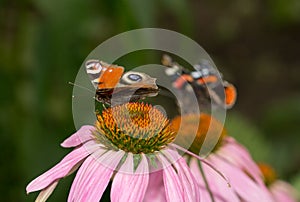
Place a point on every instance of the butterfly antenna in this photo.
(82, 87)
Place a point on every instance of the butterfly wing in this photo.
(102, 75)
(230, 95)
(111, 83)
(205, 82)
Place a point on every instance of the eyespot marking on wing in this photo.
(132, 77)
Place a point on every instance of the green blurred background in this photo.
(255, 44)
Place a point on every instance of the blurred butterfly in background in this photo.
(205, 82)
(113, 86)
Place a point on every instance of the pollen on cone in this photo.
(134, 127)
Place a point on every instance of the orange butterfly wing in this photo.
(231, 94)
(110, 76)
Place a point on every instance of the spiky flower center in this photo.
(134, 127)
(207, 129)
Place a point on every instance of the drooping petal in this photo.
(87, 164)
(155, 191)
(244, 186)
(240, 157)
(217, 186)
(93, 176)
(190, 187)
(83, 135)
(283, 192)
(60, 170)
(173, 187)
(130, 185)
(45, 193)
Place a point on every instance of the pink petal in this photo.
(245, 187)
(93, 176)
(173, 187)
(239, 156)
(155, 191)
(191, 190)
(283, 192)
(204, 196)
(83, 135)
(130, 185)
(45, 193)
(60, 170)
(217, 185)
(87, 164)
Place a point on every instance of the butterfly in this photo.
(114, 86)
(205, 82)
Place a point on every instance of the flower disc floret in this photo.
(134, 127)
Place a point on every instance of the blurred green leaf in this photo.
(280, 125)
(137, 9)
(296, 183)
(284, 11)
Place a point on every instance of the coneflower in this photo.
(231, 158)
(281, 191)
(130, 145)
